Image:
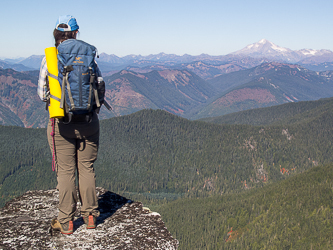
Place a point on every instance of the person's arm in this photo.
(42, 89)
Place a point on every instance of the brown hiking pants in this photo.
(76, 146)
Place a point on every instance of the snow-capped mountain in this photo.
(269, 50)
(263, 46)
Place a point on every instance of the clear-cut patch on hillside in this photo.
(259, 95)
(172, 75)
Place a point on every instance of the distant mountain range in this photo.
(194, 87)
(264, 49)
(266, 85)
(22, 64)
(180, 92)
(15, 66)
(250, 56)
(176, 91)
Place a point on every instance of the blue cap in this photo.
(69, 20)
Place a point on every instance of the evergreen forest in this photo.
(295, 213)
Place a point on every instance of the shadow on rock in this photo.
(108, 204)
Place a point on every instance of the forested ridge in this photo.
(289, 113)
(155, 157)
(172, 154)
(155, 151)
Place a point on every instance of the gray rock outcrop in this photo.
(123, 224)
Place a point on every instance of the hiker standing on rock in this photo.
(74, 138)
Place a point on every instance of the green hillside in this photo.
(153, 151)
(7, 117)
(291, 214)
(25, 162)
(172, 154)
(282, 114)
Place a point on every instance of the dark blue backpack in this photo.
(77, 75)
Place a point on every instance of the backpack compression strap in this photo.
(55, 77)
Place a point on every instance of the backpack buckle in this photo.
(67, 69)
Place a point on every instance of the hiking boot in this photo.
(65, 228)
(90, 221)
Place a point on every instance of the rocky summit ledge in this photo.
(123, 224)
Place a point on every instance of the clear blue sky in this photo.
(124, 27)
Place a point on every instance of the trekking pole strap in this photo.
(93, 85)
(107, 105)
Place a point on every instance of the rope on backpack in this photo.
(53, 145)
